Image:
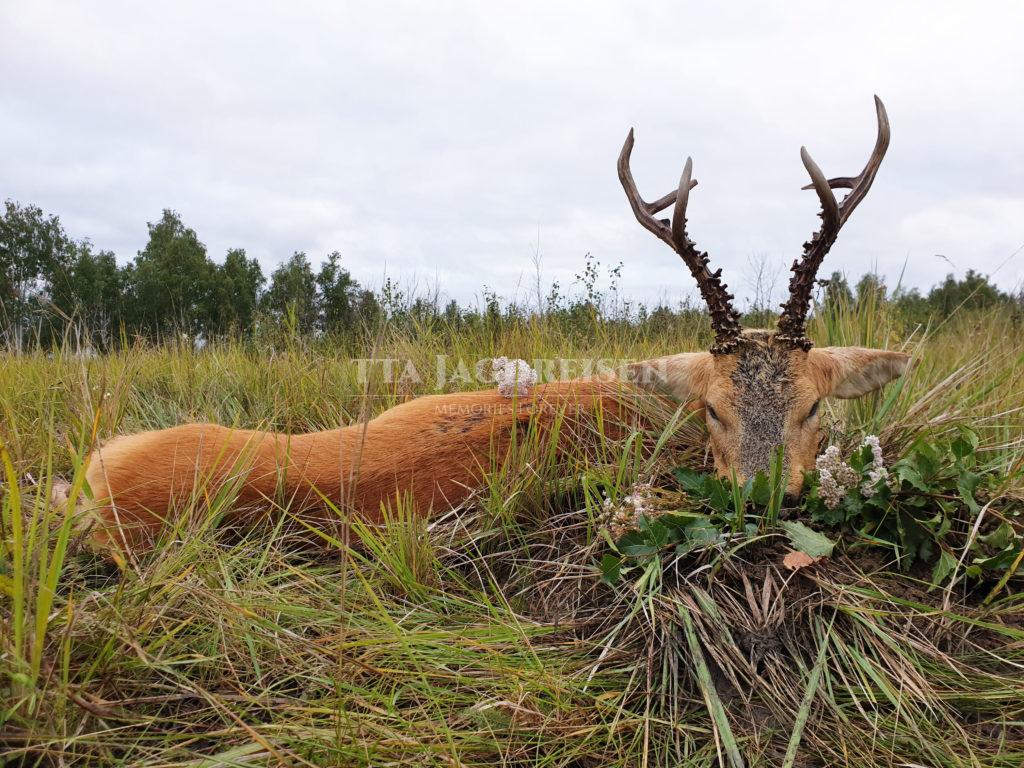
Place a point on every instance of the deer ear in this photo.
(849, 372)
(683, 377)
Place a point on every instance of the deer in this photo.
(759, 392)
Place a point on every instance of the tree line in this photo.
(53, 288)
(50, 283)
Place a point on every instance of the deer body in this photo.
(432, 452)
(760, 391)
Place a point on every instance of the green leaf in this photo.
(761, 490)
(703, 530)
(655, 531)
(881, 495)
(691, 481)
(630, 537)
(910, 474)
(678, 522)
(943, 567)
(861, 458)
(853, 503)
(718, 494)
(1000, 560)
(639, 550)
(1000, 537)
(702, 533)
(967, 485)
(966, 444)
(807, 540)
(915, 540)
(820, 512)
(927, 458)
(926, 549)
(611, 568)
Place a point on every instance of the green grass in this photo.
(487, 637)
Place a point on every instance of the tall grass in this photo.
(486, 637)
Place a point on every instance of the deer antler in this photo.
(833, 215)
(725, 321)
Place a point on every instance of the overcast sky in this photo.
(440, 141)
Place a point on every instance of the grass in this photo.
(487, 637)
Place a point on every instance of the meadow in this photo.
(520, 630)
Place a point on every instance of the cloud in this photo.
(440, 139)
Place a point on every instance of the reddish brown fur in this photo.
(434, 450)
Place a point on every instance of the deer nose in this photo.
(796, 483)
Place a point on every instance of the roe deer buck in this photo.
(759, 390)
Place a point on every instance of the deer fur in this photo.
(431, 452)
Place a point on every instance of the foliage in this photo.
(237, 292)
(291, 298)
(54, 290)
(923, 512)
(34, 252)
(88, 297)
(926, 511)
(171, 281)
(338, 295)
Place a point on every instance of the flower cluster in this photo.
(876, 471)
(625, 516)
(513, 377)
(836, 477)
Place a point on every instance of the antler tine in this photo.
(833, 215)
(645, 211)
(724, 319)
(829, 207)
(679, 212)
(861, 183)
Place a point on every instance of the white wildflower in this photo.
(513, 377)
(835, 477)
(876, 471)
(846, 475)
(625, 516)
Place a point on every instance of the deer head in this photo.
(760, 389)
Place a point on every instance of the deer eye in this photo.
(814, 410)
(712, 413)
